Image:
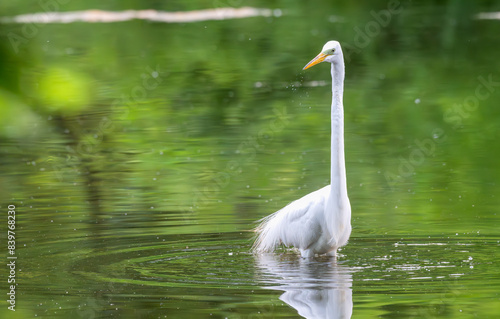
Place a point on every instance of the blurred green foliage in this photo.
(110, 97)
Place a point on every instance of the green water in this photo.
(139, 155)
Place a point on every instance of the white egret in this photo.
(320, 222)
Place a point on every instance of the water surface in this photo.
(139, 156)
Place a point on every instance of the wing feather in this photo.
(297, 224)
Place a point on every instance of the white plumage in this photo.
(320, 222)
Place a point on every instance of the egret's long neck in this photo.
(338, 174)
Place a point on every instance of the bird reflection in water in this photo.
(316, 288)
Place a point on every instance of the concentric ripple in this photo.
(207, 260)
(224, 261)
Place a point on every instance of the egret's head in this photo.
(331, 52)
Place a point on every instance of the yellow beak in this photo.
(319, 58)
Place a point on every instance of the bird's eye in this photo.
(333, 50)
